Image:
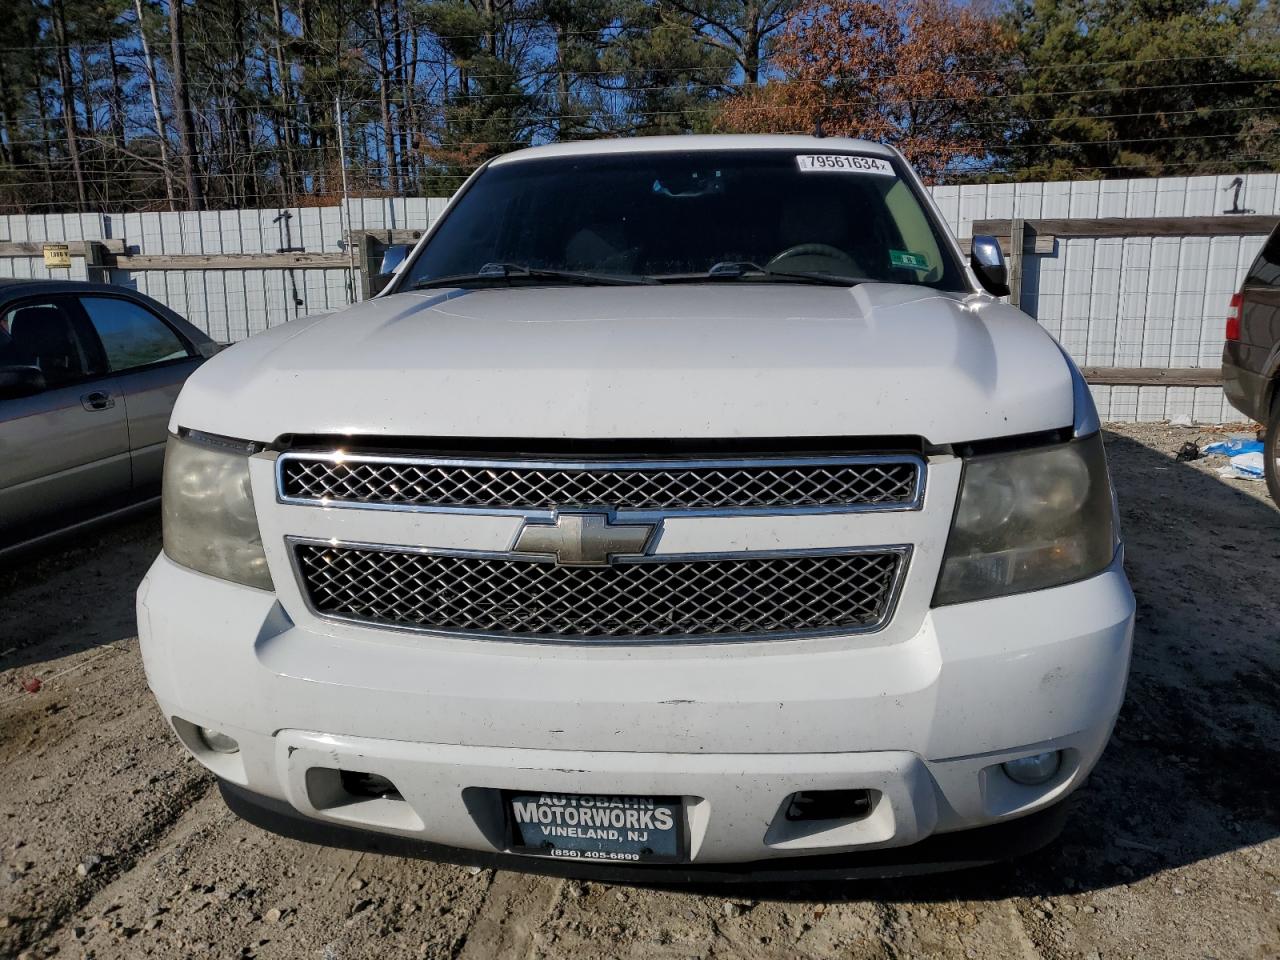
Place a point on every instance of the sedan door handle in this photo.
(98, 400)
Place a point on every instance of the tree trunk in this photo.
(46, 128)
(241, 119)
(316, 134)
(285, 132)
(149, 64)
(751, 44)
(86, 92)
(404, 110)
(384, 98)
(117, 95)
(68, 100)
(562, 82)
(13, 151)
(182, 106)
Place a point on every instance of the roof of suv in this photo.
(686, 143)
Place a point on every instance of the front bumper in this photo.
(944, 851)
(735, 729)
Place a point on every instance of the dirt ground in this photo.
(114, 844)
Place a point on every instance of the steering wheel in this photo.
(813, 250)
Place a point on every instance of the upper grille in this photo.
(886, 482)
(716, 598)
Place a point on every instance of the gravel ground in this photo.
(114, 844)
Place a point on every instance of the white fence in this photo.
(1133, 301)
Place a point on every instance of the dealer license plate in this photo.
(609, 828)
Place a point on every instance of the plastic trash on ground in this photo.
(1231, 447)
(1243, 466)
(1245, 458)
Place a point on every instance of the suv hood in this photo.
(715, 360)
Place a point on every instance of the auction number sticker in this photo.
(843, 163)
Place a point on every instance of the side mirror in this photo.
(20, 381)
(392, 257)
(987, 260)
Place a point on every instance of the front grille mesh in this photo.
(667, 487)
(480, 595)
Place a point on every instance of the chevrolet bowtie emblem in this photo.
(584, 539)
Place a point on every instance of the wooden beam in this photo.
(78, 248)
(1017, 249)
(236, 261)
(1153, 376)
(388, 237)
(1224, 225)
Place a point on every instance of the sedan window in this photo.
(131, 335)
(44, 335)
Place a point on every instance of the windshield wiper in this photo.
(514, 272)
(744, 269)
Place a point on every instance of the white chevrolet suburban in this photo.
(683, 507)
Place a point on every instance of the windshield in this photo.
(754, 215)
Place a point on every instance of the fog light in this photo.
(1033, 771)
(218, 742)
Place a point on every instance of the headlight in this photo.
(210, 524)
(1027, 520)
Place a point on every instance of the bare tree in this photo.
(741, 28)
(286, 133)
(68, 99)
(182, 103)
(149, 65)
(384, 95)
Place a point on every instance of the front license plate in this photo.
(585, 827)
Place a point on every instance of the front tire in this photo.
(1271, 452)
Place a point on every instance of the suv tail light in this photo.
(1233, 316)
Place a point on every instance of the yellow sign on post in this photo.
(57, 255)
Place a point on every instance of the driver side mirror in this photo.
(392, 257)
(987, 260)
(20, 381)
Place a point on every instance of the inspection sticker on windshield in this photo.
(905, 258)
(843, 163)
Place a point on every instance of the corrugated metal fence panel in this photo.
(234, 304)
(55, 227)
(33, 268)
(1132, 301)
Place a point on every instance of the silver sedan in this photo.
(88, 377)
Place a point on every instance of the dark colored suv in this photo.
(1251, 357)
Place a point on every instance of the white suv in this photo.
(689, 506)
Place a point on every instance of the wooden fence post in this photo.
(1017, 228)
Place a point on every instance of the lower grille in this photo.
(657, 599)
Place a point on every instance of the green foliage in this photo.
(1143, 88)
(668, 76)
(487, 111)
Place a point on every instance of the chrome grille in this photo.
(885, 482)
(654, 599)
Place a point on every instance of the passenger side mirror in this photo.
(392, 257)
(987, 260)
(20, 381)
